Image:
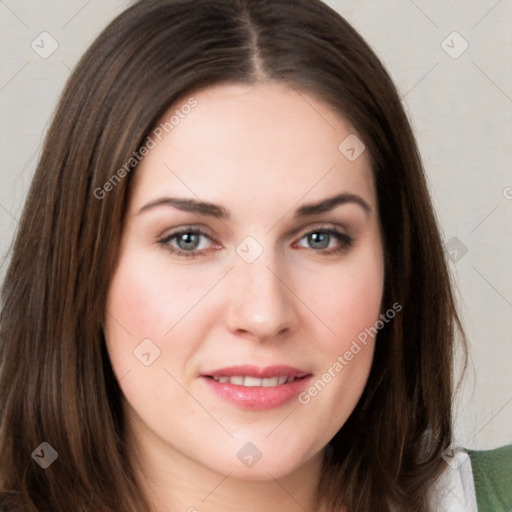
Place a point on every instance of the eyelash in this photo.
(344, 240)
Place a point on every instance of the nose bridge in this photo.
(259, 303)
(259, 282)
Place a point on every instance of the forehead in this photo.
(244, 143)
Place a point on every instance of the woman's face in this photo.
(250, 266)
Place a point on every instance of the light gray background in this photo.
(461, 110)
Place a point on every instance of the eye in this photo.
(187, 242)
(326, 241)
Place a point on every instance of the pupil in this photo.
(319, 240)
(188, 241)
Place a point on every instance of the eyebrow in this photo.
(213, 210)
(188, 205)
(328, 204)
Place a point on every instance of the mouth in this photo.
(252, 382)
(257, 388)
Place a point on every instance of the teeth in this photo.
(282, 380)
(269, 382)
(251, 382)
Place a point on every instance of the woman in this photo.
(236, 287)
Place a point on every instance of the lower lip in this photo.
(258, 397)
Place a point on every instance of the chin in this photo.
(266, 463)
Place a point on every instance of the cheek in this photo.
(147, 300)
(134, 304)
(346, 300)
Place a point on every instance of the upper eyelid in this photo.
(292, 232)
(300, 232)
(193, 228)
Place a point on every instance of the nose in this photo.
(261, 305)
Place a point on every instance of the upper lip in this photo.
(257, 371)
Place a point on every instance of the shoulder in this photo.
(475, 481)
(492, 473)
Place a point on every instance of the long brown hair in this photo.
(56, 382)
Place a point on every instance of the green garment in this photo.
(492, 474)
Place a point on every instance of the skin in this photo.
(260, 152)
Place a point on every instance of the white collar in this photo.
(454, 490)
